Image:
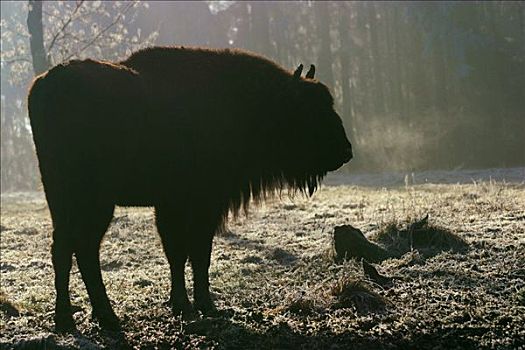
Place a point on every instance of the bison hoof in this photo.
(64, 323)
(207, 308)
(108, 321)
(185, 309)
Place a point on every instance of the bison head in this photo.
(317, 141)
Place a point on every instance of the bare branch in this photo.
(49, 14)
(102, 32)
(9, 28)
(16, 60)
(66, 23)
(73, 37)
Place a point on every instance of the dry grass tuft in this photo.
(281, 256)
(520, 297)
(428, 240)
(350, 292)
(300, 304)
(410, 258)
(7, 307)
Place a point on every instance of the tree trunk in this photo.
(397, 67)
(379, 103)
(281, 35)
(345, 58)
(261, 28)
(36, 37)
(325, 56)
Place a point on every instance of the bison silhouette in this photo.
(194, 132)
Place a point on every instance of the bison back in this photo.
(93, 129)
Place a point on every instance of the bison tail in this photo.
(43, 103)
(36, 108)
(36, 102)
(44, 100)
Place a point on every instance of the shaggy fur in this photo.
(196, 133)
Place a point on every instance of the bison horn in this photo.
(298, 71)
(311, 72)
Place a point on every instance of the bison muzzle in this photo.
(195, 133)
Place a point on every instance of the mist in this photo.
(419, 85)
(182, 206)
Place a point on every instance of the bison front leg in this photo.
(200, 256)
(169, 224)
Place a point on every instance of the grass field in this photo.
(275, 281)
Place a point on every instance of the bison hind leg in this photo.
(78, 228)
(89, 231)
(170, 222)
(204, 224)
(62, 254)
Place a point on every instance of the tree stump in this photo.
(350, 242)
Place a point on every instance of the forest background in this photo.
(419, 85)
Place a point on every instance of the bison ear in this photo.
(311, 72)
(298, 71)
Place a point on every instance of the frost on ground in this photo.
(459, 176)
(274, 278)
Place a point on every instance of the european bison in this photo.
(196, 133)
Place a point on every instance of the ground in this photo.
(275, 280)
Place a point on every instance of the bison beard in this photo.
(196, 133)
